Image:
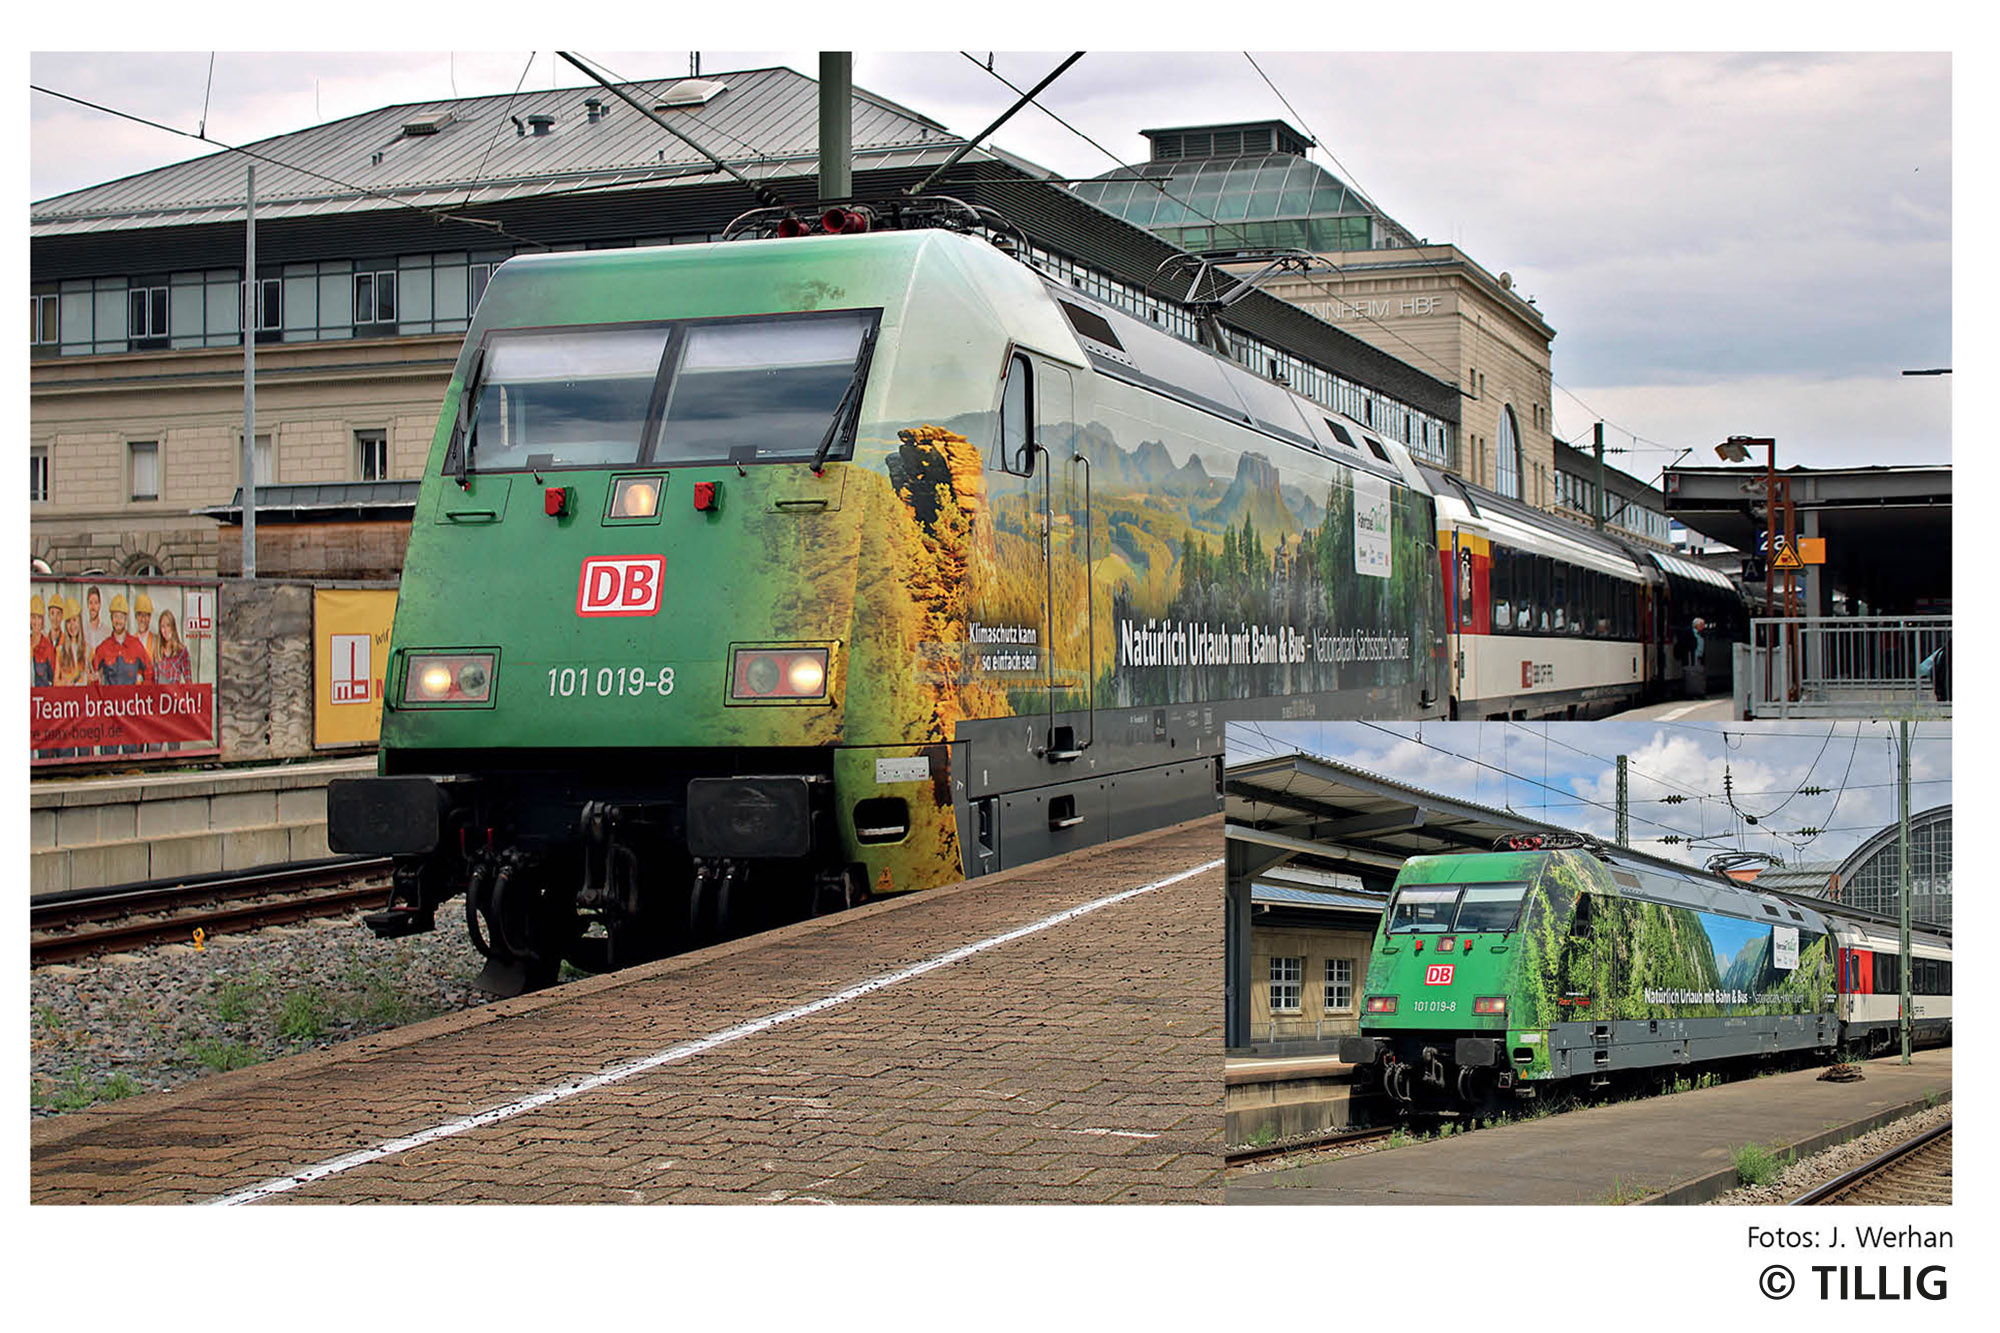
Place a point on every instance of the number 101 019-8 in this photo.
(583, 682)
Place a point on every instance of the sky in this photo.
(1565, 773)
(1725, 244)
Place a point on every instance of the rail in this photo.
(1879, 1175)
(1847, 666)
(79, 923)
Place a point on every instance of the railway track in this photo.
(1353, 1138)
(1916, 1172)
(81, 923)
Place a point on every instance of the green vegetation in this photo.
(302, 1015)
(1265, 1136)
(1759, 1165)
(234, 999)
(76, 1091)
(1623, 1192)
(223, 1055)
(1931, 1098)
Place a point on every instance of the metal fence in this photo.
(1849, 666)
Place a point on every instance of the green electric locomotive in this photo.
(1555, 960)
(753, 578)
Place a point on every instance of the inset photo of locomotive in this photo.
(1575, 963)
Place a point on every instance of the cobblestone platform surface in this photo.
(1079, 1063)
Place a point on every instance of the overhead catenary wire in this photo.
(1445, 375)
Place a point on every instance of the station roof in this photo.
(1887, 529)
(456, 154)
(1302, 806)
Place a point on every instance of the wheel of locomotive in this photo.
(838, 890)
(701, 907)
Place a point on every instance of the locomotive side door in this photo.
(1070, 611)
(1019, 484)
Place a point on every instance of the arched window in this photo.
(1508, 480)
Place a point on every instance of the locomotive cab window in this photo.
(579, 396)
(768, 390)
(1017, 411)
(1422, 910)
(1489, 907)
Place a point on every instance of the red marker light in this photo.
(708, 496)
(555, 501)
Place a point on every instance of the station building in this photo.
(1249, 185)
(376, 235)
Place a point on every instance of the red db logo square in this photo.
(620, 585)
(1438, 974)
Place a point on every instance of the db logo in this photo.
(1438, 974)
(620, 585)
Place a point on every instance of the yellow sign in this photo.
(350, 659)
(1812, 550)
(1783, 557)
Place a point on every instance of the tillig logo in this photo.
(1438, 974)
(620, 585)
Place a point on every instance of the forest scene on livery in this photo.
(1590, 954)
(1238, 583)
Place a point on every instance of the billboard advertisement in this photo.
(121, 669)
(350, 660)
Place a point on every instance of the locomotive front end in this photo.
(635, 646)
(1442, 1005)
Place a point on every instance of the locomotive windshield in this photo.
(765, 389)
(1433, 909)
(772, 384)
(571, 399)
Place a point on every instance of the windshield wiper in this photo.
(849, 398)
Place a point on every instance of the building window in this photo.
(371, 455)
(143, 457)
(1508, 480)
(38, 473)
(476, 278)
(270, 303)
(44, 319)
(1287, 984)
(146, 313)
(375, 297)
(1339, 985)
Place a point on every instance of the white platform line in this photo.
(685, 1051)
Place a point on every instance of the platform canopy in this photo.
(1887, 529)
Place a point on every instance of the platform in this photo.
(1050, 1033)
(87, 833)
(1670, 1149)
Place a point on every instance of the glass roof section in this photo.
(1276, 199)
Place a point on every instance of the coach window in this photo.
(1559, 597)
(1500, 589)
(1017, 409)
